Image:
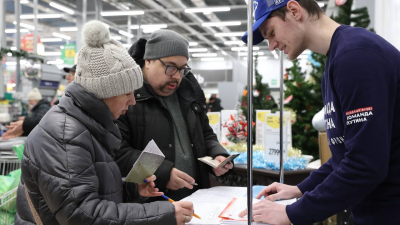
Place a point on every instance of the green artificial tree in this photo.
(261, 96)
(307, 96)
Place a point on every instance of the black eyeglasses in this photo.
(171, 70)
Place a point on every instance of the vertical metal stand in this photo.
(2, 44)
(129, 41)
(281, 172)
(35, 23)
(17, 8)
(249, 112)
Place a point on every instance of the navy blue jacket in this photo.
(361, 101)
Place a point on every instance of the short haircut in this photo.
(311, 6)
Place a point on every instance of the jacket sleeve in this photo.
(30, 122)
(71, 191)
(126, 156)
(358, 82)
(316, 177)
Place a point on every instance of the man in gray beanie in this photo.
(170, 109)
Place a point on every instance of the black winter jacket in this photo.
(149, 119)
(69, 169)
(38, 111)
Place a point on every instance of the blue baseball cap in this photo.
(262, 9)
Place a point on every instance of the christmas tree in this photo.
(307, 97)
(261, 96)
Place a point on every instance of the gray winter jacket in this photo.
(68, 167)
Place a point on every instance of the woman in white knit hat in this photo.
(69, 175)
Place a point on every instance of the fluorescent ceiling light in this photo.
(25, 25)
(13, 31)
(63, 36)
(61, 7)
(234, 43)
(321, 4)
(221, 24)
(116, 37)
(68, 29)
(193, 43)
(153, 26)
(212, 59)
(224, 53)
(51, 40)
(124, 6)
(13, 48)
(215, 47)
(207, 9)
(230, 34)
(24, 2)
(204, 55)
(134, 27)
(41, 16)
(122, 13)
(126, 34)
(51, 53)
(56, 62)
(259, 58)
(244, 48)
(254, 53)
(150, 30)
(198, 49)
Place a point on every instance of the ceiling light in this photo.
(116, 38)
(230, 34)
(224, 53)
(212, 59)
(134, 27)
(150, 30)
(198, 49)
(254, 53)
(61, 7)
(204, 55)
(122, 13)
(125, 33)
(25, 25)
(259, 58)
(244, 48)
(51, 40)
(13, 31)
(51, 53)
(56, 62)
(124, 6)
(215, 47)
(24, 2)
(208, 9)
(63, 36)
(193, 43)
(153, 26)
(220, 24)
(234, 43)
(68, 29)
(41, 16)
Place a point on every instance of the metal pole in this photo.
(129, 30)
(2, 42)
(17, 8)
(250, 113)
(35, 23)
(139, 31)
(84, 11)
(281, 120)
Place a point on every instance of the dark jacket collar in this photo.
(93, 113)
(41, 102)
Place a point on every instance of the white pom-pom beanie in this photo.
(104, 66)
(34, 94)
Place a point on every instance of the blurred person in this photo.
(360, 89)
(214, 104)
(68, 169)
(170, 109)
(38, 107)
(70, 73)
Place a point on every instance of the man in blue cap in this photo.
(361, 94)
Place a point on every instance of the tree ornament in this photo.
(256, 93)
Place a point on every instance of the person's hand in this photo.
(183, 212)
(279, 191)
(148, 189)
(179, 179)
(21, 118)
(269, 212)
(224, 169)
(13, 130)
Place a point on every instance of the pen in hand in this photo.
(170, 200)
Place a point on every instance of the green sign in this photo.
(274, 82)
(68, 54)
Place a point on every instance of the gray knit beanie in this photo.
(104, 66)
(164, 43)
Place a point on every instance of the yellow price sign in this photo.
(274, 121)
(261, 116)
(69, 53)
(213, 118)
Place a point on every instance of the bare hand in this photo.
(148, 189)
(224, 169)
(21, 118)
(179, 179)
(13, 130)
(279, 191)
(269, 212)
(182, 210)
